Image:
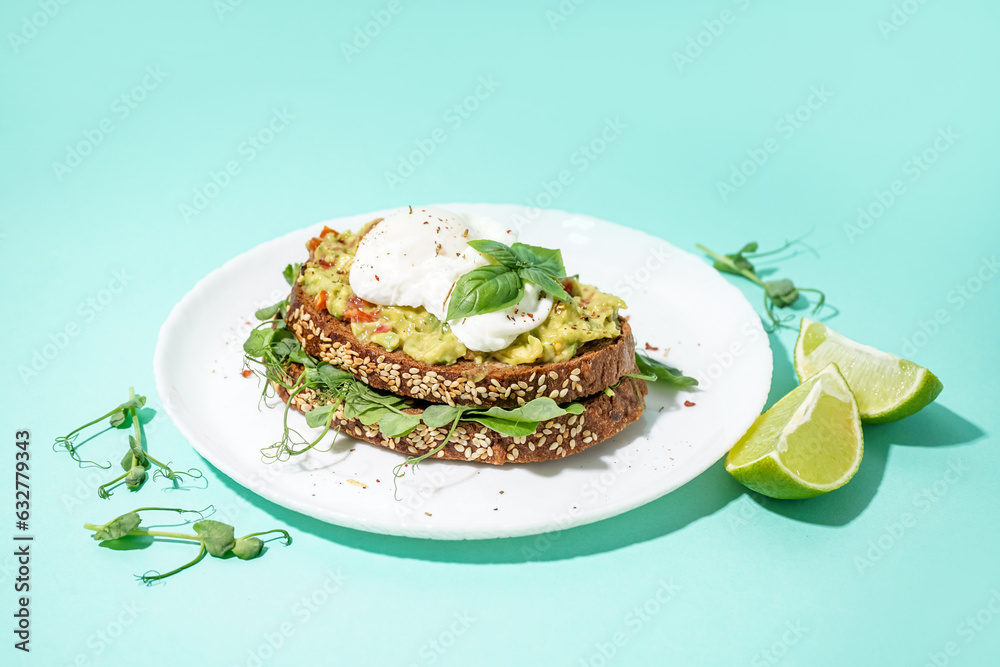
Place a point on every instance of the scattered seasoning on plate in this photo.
(650, 347)
(689, 404)
(247, 373)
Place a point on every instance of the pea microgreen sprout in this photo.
(116, 417)
(781, 293)
(213, 537)
(137, 460)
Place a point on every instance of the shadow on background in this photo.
(934, 426)
(705, 495)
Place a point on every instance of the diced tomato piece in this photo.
(567, 284)
(354, 311)
(247, 373)
(326, 230)
(383, 328)
(321, 300)
(313, 242)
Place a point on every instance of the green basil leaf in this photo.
(663, 373)
(485, 290)
(217, 537)
(395, 425)
(547, 259)
(544, 282)
(497, 251)
(437, 416)
(291, 272)
(120, 527)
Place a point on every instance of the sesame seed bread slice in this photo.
(598, 364)
(603, 417)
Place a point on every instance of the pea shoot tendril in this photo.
(213, 537)
(137, 461)
(781, 293)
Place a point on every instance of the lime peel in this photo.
(887, 387)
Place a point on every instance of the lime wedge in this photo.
(807, 444)
(887, 388)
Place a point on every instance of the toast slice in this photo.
(604, 416)
(598, 364)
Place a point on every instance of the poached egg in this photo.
(414, 257)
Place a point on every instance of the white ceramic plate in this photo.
(677, 303)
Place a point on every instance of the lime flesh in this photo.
(887, 388)
(807, 444)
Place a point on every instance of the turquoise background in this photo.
(752, 581)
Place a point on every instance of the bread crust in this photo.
(598, 364)
(603, 417)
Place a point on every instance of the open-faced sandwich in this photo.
(440, 335)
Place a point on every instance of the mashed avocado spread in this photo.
(591, 315)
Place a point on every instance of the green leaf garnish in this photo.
(548, 260)
(214, 537)
(248, 547)
(485, 290)
(136, 460)
(781, 293)
(437, 416)
(488, 289)
(395, 425)
(544, 282)
(291, 272)
(217, 537)
(652, 370)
